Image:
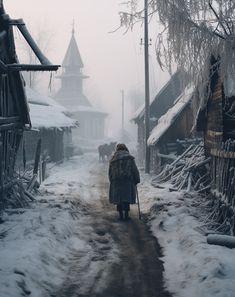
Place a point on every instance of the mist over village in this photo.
(117, 148)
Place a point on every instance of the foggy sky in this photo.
(113, 61)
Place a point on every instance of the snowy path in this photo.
(70, 243)
(126, 261)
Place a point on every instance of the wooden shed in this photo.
(167, 138)
(50, 124)
(14, 112)
(159, 106)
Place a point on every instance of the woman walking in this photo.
(123, 177)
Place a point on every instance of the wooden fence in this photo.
(223, 181)
(223, 172)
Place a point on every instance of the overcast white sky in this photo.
(113, 61)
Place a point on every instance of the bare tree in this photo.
(194, 30)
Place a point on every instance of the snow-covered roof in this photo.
(45, 112)
(49, 117)
(139, 113)
(83, 108)
(170, 116)
(36, 98)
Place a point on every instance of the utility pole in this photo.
(146, 62)
(122, 91)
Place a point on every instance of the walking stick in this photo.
(138, 202)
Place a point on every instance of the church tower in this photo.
(91, 120)
(71, 91)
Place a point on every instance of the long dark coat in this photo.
(123, 177)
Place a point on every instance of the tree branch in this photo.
(218, 18)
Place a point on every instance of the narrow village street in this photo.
(103, 105)
(69, 242)
(137, 270)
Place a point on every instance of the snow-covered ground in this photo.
(35, 242)
(192, 267)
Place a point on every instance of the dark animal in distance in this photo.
(106, 150)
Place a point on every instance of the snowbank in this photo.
(39, 244)
(192, 267)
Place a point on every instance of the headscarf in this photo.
(121, 147)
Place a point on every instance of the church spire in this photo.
(71, 91)
(72, 59)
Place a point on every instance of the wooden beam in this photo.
(9, 120)
(4, 68)
(24, 31)
(41, 57)
(11, 126)
(34, 67)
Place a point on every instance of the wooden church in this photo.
(91, 120)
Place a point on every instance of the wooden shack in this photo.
(50, 124)
(173, 131)
(159, 106)
(217, 121)
(14, 112)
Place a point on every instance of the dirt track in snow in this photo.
(138, 272)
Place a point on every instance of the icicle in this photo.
(50, 82)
